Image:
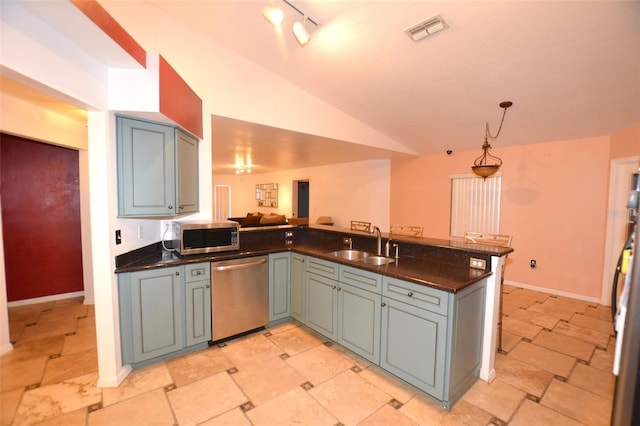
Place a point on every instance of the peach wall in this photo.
(625, 143)
(553, 203)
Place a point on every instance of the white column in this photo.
(5, 337)
(491, 313)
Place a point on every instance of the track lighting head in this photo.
(300, 32)
(273, 15)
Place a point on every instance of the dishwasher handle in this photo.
(240, 265)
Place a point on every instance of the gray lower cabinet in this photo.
(198, 303)
(297, 289)
(279, 285)
(322, 304)
(157, 169)
(161, 313)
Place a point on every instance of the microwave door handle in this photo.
(239, 266)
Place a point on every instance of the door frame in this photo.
(620, 172)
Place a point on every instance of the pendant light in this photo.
(487, 164)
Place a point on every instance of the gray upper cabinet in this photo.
(157, 169)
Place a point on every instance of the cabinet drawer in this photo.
(322, 267)
(417, 295)
(362, 279)
(197, 272)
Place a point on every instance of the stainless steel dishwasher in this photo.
(239, 296)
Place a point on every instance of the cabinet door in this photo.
(297, 287)
(186, 173)
(359, 321)
(413, 345)
(322, 306)
(146, 162)
(198, 312)
(157, 300)
(279, 270)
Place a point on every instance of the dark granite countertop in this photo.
(447, 271)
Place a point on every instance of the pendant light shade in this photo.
(488, 164)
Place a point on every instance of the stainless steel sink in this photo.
(349, 254)
(377, 260)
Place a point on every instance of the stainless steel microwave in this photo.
(197, 238)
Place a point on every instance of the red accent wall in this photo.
(39, 186)
(178, 101)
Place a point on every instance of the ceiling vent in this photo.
(426, 28)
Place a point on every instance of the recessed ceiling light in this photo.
(426, 28)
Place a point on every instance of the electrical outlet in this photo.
(118, 236)
(533, 264)
(477, 263)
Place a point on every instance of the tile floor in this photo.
(554, 370)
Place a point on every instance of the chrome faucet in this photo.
(376, 229)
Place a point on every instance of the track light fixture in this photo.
(275, 16)
(487, 164)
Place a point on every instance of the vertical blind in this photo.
(475, 204)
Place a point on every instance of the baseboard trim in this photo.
(114, 382)
(6, 348)
(43, 299)
(595, 300)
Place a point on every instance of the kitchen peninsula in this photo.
(426, 317)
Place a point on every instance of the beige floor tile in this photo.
(349, 397)
(532, 414)
(565, 344)
(593, 380)
(77, 417)
(139, 381)
(263, 380)
(578, 404)
(19, 374)
(86, 324)
(387, 415)
(54, 400)
(39, 348)
(535, 318)
(599, 339)
(295, 340)
(592, 324)
(399, 390)
(81, 341)
(235, 417)
(506, 288)
(279, 328)
(561, 308)
(497, 398)
(520, 328)
(198, 365)
(355, 359)
(150, 408)
(509, 341)
(599, 312)
(543, 358)
(527, 378)
(49, 328)
(9, 401)
(71, 365)
(248, 349)
(295, 407)
(427, 412)
(602, 360)
(319, 364)
(212, 396)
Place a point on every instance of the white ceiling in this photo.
(572, 69)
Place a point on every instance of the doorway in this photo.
(300, 198)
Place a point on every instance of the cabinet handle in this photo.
(410, 294)
(334, 287)
(170, 207)
(383, 304)
(339, 288)
(177, 274)
(181, 207)
(207, 286)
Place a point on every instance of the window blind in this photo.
(475, 204)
